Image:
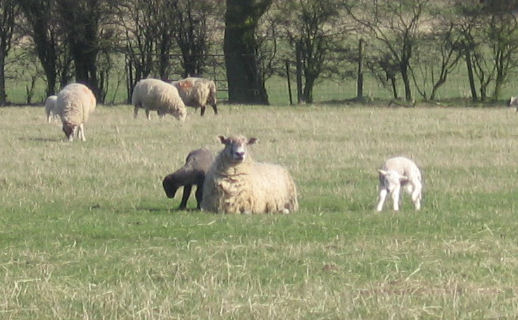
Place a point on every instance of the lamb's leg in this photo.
(199, 195)
(383, 195)
(416, 195)
(215, 108)
(395, 197)
(186, 193)
(135, 111)
(73, 134)
(81, 133)
(202, 110)
(148, 116)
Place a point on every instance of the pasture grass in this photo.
(87, 233)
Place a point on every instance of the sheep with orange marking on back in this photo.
(236, 183)
(197, 93)
(74, 104)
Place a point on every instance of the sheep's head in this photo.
(236, 148)
(392, 178)
(170, 185)
(513, 102)
(69, 130)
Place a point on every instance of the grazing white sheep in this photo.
(197, 93)
(396, 173)
(154, 94)
(75, 102)
(513, 102)
(237, 184)
(50, 107)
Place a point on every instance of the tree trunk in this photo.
(394, 87)
(308, 89)
(471, 78)
(82, 18)
(298, 65)
(245, 83)
(406, 81)
(3, 94)
(359, 80)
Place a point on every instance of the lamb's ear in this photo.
(383, 172)
(222, 139)
(252, 140)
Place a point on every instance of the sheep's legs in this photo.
(383, 195)
(416, 196)
(186, 193)
(81, 133)
(199, 194)
(202, 110)
(395, 198)
(135, 112)
(148, 116)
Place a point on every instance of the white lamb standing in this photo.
(396, 173)
(50, 107)
(197, 93)
(235, 183)
(513, 102)
(75, 102)
(154, 94)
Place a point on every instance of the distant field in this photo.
(87, 233)
(326, 90)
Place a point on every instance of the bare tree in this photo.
(48, 37)
(195, 22)
(436, 57)
(490, 42)
(9, 10)
(137, 21)
(395, 25)
(311, 27)
(86, 25)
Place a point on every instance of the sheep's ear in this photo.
(383, 172)
(252, 140)
(222, 139)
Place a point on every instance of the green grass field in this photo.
(87, 232)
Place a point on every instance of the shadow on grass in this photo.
(40, 139)
(167, 210)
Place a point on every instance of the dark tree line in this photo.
(408, 45)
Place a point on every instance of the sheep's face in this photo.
(392, 178)
(236, 148)
(69, 130)
(170, 186)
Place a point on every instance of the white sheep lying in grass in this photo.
(237, 184)
(75, 102)
(513, 102)
(396, 173)
(197, 93)
(50, 107)
(154, 94)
